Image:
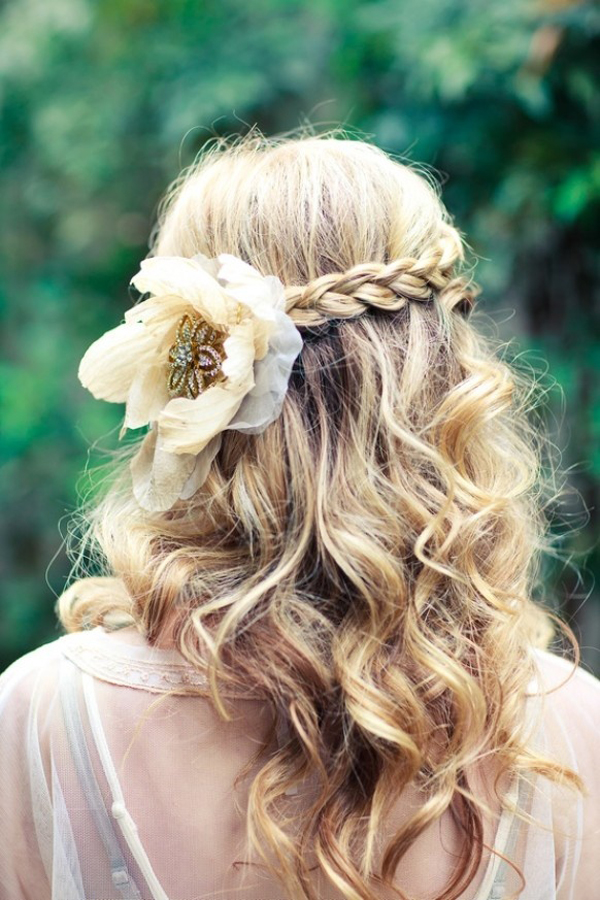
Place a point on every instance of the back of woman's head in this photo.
(367, 562)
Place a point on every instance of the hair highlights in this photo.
(367, 562)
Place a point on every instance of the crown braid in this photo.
(380, 286)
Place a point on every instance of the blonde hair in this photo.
(367, 563)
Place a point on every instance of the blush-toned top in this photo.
(117, 781)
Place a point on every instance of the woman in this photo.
(314, 668)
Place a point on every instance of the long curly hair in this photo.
(368, 563)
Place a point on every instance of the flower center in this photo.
(196, 358)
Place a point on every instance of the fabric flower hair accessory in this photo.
(210, 349)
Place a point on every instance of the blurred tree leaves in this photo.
(103, 101)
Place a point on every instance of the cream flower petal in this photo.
(239, 349)
(158, 312)
(262, 293)
(203, 463)
(211, 266)
(263, 403)
(111, 363)
(148, 395)
(158, 477)
(186, 426)
(186, 279)
(261, 296)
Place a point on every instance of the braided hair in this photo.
(386, 287)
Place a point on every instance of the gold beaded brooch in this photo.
(196, 358)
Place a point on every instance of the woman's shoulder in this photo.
(35, 674)
(125, 644)
(31, 662)
(122, 657)
(568, 687)
(568, 698)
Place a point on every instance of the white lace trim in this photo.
(144, 667)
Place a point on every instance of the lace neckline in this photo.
(138, 664)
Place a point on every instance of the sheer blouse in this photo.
(116, 781)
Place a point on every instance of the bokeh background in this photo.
(102, 102)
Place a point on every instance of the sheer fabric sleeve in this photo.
(27, 707)
(571, 735)
(58, 839)
(168, 824)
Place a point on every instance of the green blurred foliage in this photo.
(103, 101)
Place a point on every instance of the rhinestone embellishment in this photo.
(196, 358)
